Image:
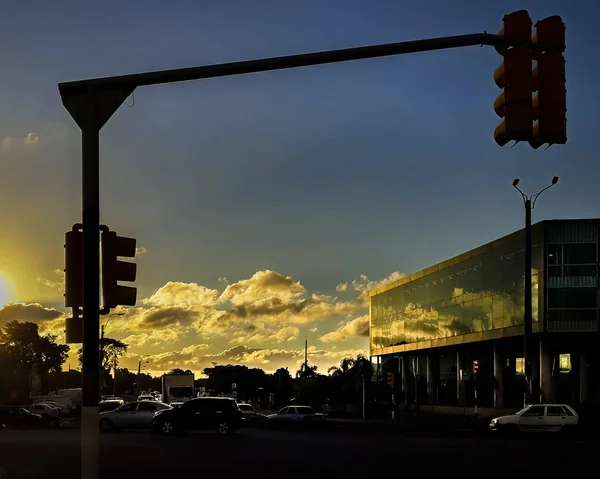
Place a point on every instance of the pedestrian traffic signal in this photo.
(515, 77)
(114, 270)
(549, 81)
(475, 365)
(390, 379)
(74, 267)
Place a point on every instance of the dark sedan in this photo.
(220, 414)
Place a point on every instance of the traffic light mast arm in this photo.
(131, 82)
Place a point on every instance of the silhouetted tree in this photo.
(178, 371)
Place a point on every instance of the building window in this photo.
(564, 363)
(579, 253)
(554, 254)
(572, 298)
(520, 366)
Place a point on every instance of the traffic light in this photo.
(515, 77)
(390, 379)
(74, 267)
(114, 270)
(74, 330)
(475, 365)
(549, 81)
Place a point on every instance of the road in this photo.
(266, 453)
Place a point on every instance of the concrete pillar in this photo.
(460, 384)
(405, 374)
(583, 379)
(536, 380)
(431, 381)
(547, 393)
(499, 377)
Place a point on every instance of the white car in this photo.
(145, 397)
(45, 410)
(538, 418)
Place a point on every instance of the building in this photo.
(454, 331)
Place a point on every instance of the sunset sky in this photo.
(266, 206)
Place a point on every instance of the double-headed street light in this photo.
(529, 202)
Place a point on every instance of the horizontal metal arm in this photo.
(279, 63)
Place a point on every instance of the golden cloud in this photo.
(263, 285)
(33, 312)
(363, 285)
(358, 327)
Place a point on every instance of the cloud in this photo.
(182, 294)
(288, 333)
(33, 312)
(57, 283)
(363, 285)
(358, 327)
(153, 339)
(263, 285)
(9, 142)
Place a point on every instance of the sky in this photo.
(265, 206)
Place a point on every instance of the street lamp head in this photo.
(516, 181)
(555, 180)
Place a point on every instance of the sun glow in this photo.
(4, 292)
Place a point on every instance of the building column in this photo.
(546, 379)
(499, 379)
(405, 375)
(536, 380)
(431, 381)
(583, 379)
(460, 384)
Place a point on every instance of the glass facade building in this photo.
(479, 291)
(432, 327)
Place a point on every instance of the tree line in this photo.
(31, 363)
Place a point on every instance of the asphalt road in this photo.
(267, 453)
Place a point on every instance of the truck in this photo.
(177, 388)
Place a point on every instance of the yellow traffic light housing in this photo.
(550, 103)
(515, 77)
(390, 379)
(114, 270)
(74, 267)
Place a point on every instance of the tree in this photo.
(306, 371)
(178, 372)
(24, 352)
(110, 349)
(23, 344)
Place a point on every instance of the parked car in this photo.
(19, 417)
(62, 410)
(135, 415)
(110, 404)
(249, 414)
(538, 418)
(221, 414)
(145, 397)
(297, 414)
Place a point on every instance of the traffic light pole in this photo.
(90, 136)
(91, 103)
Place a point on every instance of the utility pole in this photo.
(115, 375)
(529, 203)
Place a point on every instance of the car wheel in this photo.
(106, 425)
(167, 428)
(507, 430)
(224, 428)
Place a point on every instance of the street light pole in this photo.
(529, 203)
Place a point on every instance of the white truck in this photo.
(177, 388)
